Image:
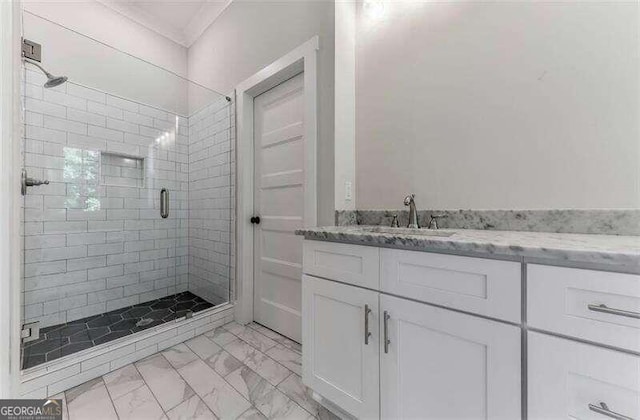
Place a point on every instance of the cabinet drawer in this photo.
(485, 287)
(569, 301)
(353, 264)
(567, 379)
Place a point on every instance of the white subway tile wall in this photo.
(210, 201)
(94, 240)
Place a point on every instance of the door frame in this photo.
(11, 132)
(303, 59)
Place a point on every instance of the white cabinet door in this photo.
(441, 364)
(571, 380)
(336, 361)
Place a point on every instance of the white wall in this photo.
(345, 103)
(499, 105)
(106, 25)
(67, 31)
(248, 36)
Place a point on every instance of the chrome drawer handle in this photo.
(367, 333)
(607, 310)
(386, 332)
(604, 410)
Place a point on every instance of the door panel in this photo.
(443, 364)
(279, 201)
(337, 363)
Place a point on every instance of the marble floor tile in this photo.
(179, 355)
(220, 336)
(249, 384)
(255, 339)
(221, 374)
(138, 404)
(223, 363)
(201, 377)
(276, 405)
(258, 361)
(122, 381)
(266, 367)
(192, 409)
(234, 328)
(280, 339)
(252, 414)
(293, 388)
(90, 401)
(164, 381)
(239, 349)
(203, 346)
(65, 411)
(286, 357)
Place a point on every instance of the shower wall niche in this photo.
(100, 262)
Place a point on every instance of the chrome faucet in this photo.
(413, 214)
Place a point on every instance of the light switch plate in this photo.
(348, 193)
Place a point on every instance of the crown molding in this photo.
(206, 15)
(199, 23)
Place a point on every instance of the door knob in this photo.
(255, 220)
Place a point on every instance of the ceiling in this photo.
(182, 21)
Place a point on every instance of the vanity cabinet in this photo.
(441, 364)
(380, 356)
(395, 334)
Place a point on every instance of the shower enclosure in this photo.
(127, 219)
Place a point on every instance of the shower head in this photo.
(52, 81)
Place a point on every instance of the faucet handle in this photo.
(408, 199)
(433, 221)
(394, 222)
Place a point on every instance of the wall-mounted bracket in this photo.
(31, 50)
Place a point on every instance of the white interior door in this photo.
(279, 161)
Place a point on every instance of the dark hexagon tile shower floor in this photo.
(64, 339)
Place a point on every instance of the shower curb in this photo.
(61, 374)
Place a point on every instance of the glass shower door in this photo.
(100, 258)
(133, 230)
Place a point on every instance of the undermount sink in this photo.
(407, 231)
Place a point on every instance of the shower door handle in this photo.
(164, 203)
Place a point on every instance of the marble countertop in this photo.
(579, 248)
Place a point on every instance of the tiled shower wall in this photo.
(94, 240)
(211, 201)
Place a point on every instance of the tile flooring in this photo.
(64, 339)
(232, 372)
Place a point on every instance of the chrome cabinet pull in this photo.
(607, 310)
(604, 410)
(164, 203)
(386, 332)
(367, 333)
